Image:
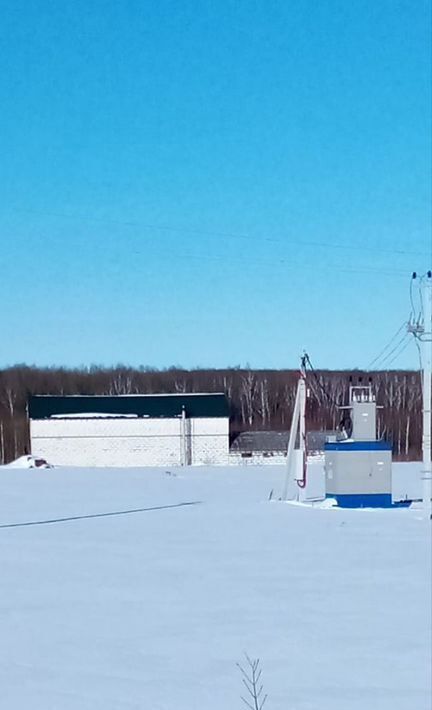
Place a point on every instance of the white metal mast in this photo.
(296, 459)
(423, 332)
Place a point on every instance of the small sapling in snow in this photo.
(251, 679)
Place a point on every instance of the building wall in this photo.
(130, 442)
(209, 441)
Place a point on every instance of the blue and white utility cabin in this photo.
(358, 466)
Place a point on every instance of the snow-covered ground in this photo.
(150, 610)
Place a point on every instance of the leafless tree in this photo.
(259, 399)
(251, 679)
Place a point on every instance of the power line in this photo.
(406, 342)
(287, 264)
(230, 261)
(227, 235)
(383, 351)
(393, 351)
(418, 279)
(421, 314)
(420, 362)
(90, 516)
(307, 361)
(402, 344)
(413, 309)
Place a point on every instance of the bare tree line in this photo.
(259, 399)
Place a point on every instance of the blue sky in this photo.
(212, 183)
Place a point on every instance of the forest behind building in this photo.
(259, 399)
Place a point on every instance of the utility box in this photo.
(358, 473)
(364, 420)
(358, 467)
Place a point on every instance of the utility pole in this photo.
(296, 458)
(422, 331)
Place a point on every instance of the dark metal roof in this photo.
(250, 441)
(141, 405)
(275, 441)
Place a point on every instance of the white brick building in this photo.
(130, 430)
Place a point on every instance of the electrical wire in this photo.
(406, 341)
(295, 241)
(421, 314)
(394, 351)
(419, 280)
(246, 263)
(420, 362)
(383, 351)
(413, 309)
(318, 381)
(234, 261)
(285, 262)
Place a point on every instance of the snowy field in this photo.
(151, 609)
